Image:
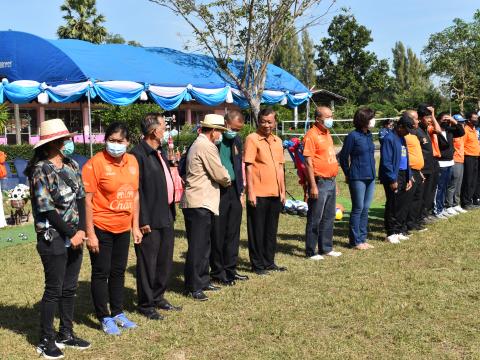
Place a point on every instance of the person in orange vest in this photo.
(470, 169)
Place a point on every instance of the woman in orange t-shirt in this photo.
(112, 209)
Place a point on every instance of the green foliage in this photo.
(3, 114)
(307, 73)
(454, 54)
(131, 114)
(289, 55)
(346, 66)
(25, 151)
(112, 38)
(82, 21)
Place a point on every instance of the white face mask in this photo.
(116, 150)
(371, 124)
(219, 140)
(328, 123)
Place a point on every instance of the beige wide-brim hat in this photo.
(51, 130)
(213, 121)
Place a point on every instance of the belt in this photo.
(317, 178)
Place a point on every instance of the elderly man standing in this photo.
(322, 169)
(266, 192)
(200, 203)
(157, 214)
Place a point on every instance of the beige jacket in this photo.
(204, 175)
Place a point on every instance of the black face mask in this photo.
(474, 123)
(444, 124)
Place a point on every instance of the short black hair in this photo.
(442, 114)
(469, 115)
(362, 117)
(405, 121)
(115, 127)
(149, 121)
(265, 112)
(387, 122)
(423, 110)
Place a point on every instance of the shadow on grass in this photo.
(25, 320)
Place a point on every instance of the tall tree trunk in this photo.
(255, 107)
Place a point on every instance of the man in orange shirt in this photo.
(456, 177)
(415, 156)
(264, 162)
(470, 165)
(322, 169)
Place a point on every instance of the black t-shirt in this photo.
(427, 150)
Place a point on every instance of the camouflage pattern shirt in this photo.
(49, 191)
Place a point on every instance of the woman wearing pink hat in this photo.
(58, 204)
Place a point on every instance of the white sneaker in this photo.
(447, 214)
(316, 257)
(459, 209)
(334, 253)
(393, 239)
(451, 211)
(441, 216)
(402, 237)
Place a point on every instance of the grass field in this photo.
(416, 300)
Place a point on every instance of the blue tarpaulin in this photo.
(64, 70)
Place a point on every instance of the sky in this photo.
(409, 21)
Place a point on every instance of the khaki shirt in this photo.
(204, 175)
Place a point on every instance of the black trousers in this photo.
(469, 183)
(61, 268)
(415, 210)
(429, 190)
(397, 205)
(476, 195)
(199, 225)
(226, 236)
(262, 226)
(108, 272)
(154, 265)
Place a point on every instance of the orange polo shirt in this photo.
(472, 147)
(415, 155)
(434, 140)
(265, 155)
(318, 145)
(114, 186)
(459, 153)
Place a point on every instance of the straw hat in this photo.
(213, 121)
(51, 130)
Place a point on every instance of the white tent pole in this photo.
(89, 123)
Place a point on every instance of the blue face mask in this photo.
(219, 140)
(68, 148)
(328, 123)
(230, 134)
(116, 150)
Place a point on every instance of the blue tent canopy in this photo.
(66, 70)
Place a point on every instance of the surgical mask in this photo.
(219, 140)
(68, 148)
(116, 150)
(230, 134)
(371, 124)
(328, 123)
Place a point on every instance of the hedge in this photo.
(25, 151)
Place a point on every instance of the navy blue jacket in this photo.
(390, 156)
(357, 157)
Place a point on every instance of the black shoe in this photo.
(198, 295)
(151, 314)
(165, 305)
(211, 287)
(48, 349)
(224, 282)
(240, 277)
(72, 341)
(261, 272)
(274, 267)
(470, 207)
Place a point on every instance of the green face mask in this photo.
(68, 148)
(230, 134)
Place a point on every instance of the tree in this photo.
(247, 30)
(288, 54)
(345, 66)
(82, 21)
(454, 54)
(119, 39)
(308, 75)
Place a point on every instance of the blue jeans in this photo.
(320, 218)
(443, 180)
(361, 192)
